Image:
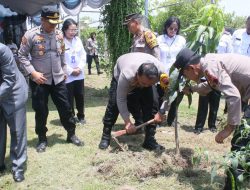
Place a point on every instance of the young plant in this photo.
(237, 162)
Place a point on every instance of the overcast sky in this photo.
(240, 7)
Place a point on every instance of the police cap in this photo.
(186, 57)
(51, 13)
(131, 17)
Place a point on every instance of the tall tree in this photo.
(186, 11)
(118, 37)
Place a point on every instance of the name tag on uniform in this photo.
(73, 59)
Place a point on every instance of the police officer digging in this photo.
(139, 72)
(47, 71)
(144, 40)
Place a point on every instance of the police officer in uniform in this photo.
(139, 72)
(144, 40)
(229, 74)
(47, 70)
(13, 97)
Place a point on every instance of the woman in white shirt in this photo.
(170, 44)
(75, 57)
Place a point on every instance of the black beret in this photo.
(184, 58)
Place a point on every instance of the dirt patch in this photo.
(106, 168)
(183, 159)
(155, 170)
(188, 172)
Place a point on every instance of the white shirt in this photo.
(225, 43)
(169, 48)
(241, 42)
(75, 56)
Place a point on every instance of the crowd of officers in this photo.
(133, 88)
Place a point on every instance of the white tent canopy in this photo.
(31, 7)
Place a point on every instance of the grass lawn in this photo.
(65, 166)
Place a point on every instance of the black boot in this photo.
(72, 138)
(89, 71)
(150, 142)
(106, 136)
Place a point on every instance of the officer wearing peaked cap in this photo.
(47, 70)
(229, 74)
(144, 40)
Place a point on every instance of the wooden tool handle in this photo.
(123, 132)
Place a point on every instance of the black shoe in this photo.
(152, 145)
(76, 120)
(104, 144)
(198, 131)
(42, 143)
(18, 176)
(75, 140)
(2, 168)
(106, 136)
(82, 121)
(41, 146)
(213, 129)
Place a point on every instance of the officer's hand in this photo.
(219, 138)
(186, 90)
(130, 128)
(38, 77)
(158, 118)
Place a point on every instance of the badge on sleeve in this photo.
(212, 80)
(164, 81)
(150, 39)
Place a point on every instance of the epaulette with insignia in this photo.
(150, 39)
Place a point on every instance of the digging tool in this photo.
(123, 132)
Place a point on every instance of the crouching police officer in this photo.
(226, 73)
(47, 70)
(134, 71)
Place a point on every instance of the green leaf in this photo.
(213, 173)
(241, 177)
(235, 163)
(200, 31)
(211, 32)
